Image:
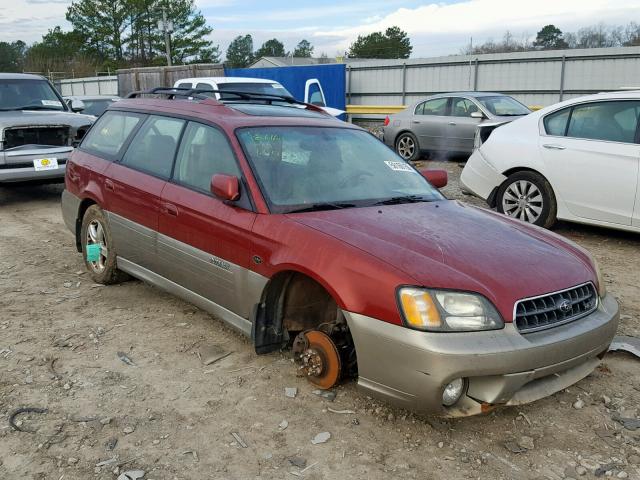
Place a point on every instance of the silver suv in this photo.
(38, 130)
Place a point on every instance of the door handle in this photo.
(452, 123)
(415, 121)
(108, 185)
(170, 209)
(554, 147)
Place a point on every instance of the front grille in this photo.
(556, 308)
(61, 162)
(19, 136)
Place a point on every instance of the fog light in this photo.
(453, 392)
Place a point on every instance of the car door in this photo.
(313, 93)
(134, 184)
(204, 242)
(461, 126)
(592, 157)
(429, 123)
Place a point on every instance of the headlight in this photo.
(602, 288)
(447, 311)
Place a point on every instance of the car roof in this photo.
(225, 114)
(619, 95)
(20, 76)
(226, 80)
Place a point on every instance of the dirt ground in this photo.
(172, 417)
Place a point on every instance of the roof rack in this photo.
(200, 93)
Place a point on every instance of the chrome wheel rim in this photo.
(95, 235)
(523, 200)
(406, 147)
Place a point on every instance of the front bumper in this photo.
(18, 165)
(478, 177)
(503, 367)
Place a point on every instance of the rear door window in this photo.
(615, 121)
(437, 106)
(154, 146)
(110, 133)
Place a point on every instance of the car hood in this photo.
(25, 118)
(447, 244)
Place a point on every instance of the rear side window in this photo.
(556, 123)
(154, 146)
(437, 106)
(207, 88)
(611, 121)
(110, 132)
(204, 152)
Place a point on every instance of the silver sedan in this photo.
(447, 122)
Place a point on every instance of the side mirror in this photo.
(477, 114)
(225, 187)
(76, 105)
(437, 178)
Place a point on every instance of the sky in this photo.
(435, 28)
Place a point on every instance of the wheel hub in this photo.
(318, 358)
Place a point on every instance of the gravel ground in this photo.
(173, 417)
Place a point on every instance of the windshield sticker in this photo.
(51, 103)
(399, 166)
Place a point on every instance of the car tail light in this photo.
(386, 121)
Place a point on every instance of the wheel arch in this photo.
(405, 130)
(287, 303)
(82, 208)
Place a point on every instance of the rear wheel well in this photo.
(513, 170)
(86, 203)
(395, 140)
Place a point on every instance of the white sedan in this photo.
(577, 160)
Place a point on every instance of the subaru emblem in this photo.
(565, 306)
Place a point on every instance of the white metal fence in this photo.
(535, 78)
(107, 85)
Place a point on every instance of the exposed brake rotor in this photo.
(318, 358)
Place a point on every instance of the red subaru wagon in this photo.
(306, 232)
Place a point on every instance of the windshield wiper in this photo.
(403, 199)
(30, 107)
(322, 206)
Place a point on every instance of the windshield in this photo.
(321, 168)
(503, 106)
(21, 94)
(249, 87)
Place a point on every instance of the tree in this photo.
(102, 23)
(62, 52)
(190, 29)
(550, 38)
(12, 56)
(303, 49)
(240, 52)
(507, 45)
(127, 31)
(271, 48)
(393, 43)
